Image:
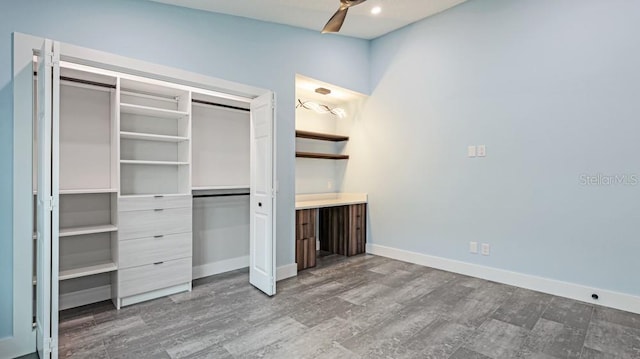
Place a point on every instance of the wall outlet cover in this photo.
(471, 151)
(473, 247)
(481, 151)
(486, 249)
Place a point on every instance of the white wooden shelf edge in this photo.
(207, 188)
(151, 111)
(158, 163)
(87, 271)
(85, 191)
(77, 231)
(151, 137)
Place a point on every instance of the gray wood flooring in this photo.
(359, 307)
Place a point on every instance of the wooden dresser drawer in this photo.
(140, 224)
(126, 204)
(137, 280)
(149, 250)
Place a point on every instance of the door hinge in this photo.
(50, 344)
(52, 203)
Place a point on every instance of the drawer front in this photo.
(137, 280)
(126, 204)
(149, 250)
(141, 224)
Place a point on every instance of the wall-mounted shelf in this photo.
(87, 271)
(327, 156)
(321, 136)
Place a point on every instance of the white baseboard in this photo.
(227, 265)
(223, 266)
(286, 271)
(607, 298)
(84, 297)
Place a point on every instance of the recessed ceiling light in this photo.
(376, 10)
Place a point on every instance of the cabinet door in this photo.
(47, 211)
(357, 229)
(262, 248)
(306, 238)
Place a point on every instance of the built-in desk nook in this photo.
(330, 222)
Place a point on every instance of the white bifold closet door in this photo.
(47, 200)
(262, 266)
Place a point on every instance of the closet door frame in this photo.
(23, 336)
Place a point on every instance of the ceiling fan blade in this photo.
(335, 23)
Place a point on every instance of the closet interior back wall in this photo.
(221, 144)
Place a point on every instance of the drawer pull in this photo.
(158, 196)
(159, 236)
(157, 263)
(159, 209)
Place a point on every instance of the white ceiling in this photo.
(313, 14)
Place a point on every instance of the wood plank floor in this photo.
(359, 307)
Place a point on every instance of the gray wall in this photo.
(251, 52)
(551, 88)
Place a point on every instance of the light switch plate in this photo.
(471, 151)
(485, 248)
(473, 247)
(481, 151)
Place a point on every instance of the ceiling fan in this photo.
(335, 23)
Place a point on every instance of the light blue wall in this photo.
(552, 88)
(246, 51)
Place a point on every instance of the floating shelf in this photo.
(321, 136)
(87, 271)
(151, 137)
(151, 111)
(78, 231)
(157, 163)
(327, 156)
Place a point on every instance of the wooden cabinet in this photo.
(341, 230)
(306, 238)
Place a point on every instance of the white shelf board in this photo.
(86, 271)
(151, 137)
(88, 191)
(151, 111)
(77, 231)
(211, 188)
(158, 163)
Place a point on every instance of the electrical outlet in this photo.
(481, 151)
(329, 184)
(473, 247)
(486, 249)
(471, 151)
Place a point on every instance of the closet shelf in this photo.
(321, 136)
(85, 191)
(151, 111)
(77, 231)
(87, 271)
(151, 137)
(327, 156)
(88, 191)
(211, 188)
(158, 163)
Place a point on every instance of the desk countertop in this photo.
(320, 200)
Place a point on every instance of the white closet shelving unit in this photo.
(88, 187)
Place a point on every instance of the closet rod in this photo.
(85, 82)
(219, 105)
(220, 195)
